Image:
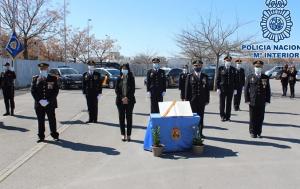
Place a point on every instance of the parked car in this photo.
(272, 70)
(172, 76)
(210, 72)
(298, 76)
(109, 76)
(108, 65)
(67, 77)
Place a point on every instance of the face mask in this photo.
(238, 66)
(124, 72)
(91, 68)
(197, 69)
(257, 70)
(227, 64)
(156, 66)
(44, 73)
(184, 71)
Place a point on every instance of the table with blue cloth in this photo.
(176, 133)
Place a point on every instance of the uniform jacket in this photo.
(130, 89)
(197, 89)
(226, 79)
(45, 89)
(156, 82)
(257, 90)
(240, 78)
(7, 79)
(91, 84)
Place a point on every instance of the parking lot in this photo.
(93, 155)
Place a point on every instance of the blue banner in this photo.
(14, 46)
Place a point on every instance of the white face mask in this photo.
(184, 71)
(156, 66)
(125, 72)
(43, 73)
(227, 64)
(238, 66)
(91, 68)
(257, 70)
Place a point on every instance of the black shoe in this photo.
(89, 121)
(253, 136)
(56, 139)
(128, 139)
(40, 140)
(6, 114)
(202, 136)
(259, 136)
(223, 119)
(228, 119)
(12, 113)
(95, 121)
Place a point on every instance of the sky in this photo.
(151, 26)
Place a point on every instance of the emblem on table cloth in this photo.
(276, 22)
(176, 134)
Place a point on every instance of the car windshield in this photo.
(114, 72)
(209, 71)
(68, 71)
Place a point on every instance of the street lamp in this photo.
(65, 32)
(89, 39)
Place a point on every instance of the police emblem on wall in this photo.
(276, 22)
(176, 134)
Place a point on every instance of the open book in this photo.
(174, 108)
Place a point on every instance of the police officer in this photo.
(8, 88)
(156, 85)
(240, 82)
(226, 88)
(44, 89)
(197, 92)
(92, 89)
(257, 95)
(292, 79)
(182, 81)
(284, 79)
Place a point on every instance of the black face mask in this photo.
(197, 69)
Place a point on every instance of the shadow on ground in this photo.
(12, 128)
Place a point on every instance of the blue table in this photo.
(176, 133)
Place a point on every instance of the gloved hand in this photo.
(235, 92)
(43, 102)
(149, 94)
(163, 94)
(218, 91)
(248, 103)
(98, 97)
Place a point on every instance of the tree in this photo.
(30, 19)
(102, 48)
(211, 39)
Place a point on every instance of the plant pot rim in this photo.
(198, 145)
(160, 146)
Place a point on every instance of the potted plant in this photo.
(198, 146)
(157, 148)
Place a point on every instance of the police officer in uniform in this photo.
(182, 81)
(292, 79)
(44, 89)
(156, 85)
(92, 89)
(240, 82)
(257, 95)
(226, 88)
(8, 88)
(284, 79)
(197, 92)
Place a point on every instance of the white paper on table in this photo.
(181, 108)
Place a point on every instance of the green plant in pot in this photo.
(157, 148)
(198, 145)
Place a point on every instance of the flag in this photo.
(14, 46)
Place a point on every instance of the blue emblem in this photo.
(276, 22)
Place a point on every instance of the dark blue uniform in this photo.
(45, 89)
(240, 82)
(156, 85)
(181, 86)
(257, 94)
(92, 88)
(8, 89)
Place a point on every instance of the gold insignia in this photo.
(176, 134)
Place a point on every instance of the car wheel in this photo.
(111, 85)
